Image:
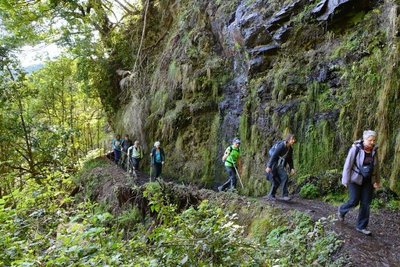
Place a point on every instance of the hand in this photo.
(377, 185)
(292, 172)
(345, 185)
(162, 162)
(268, 170)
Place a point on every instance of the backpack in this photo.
(365, 170)
(230, 150)
(272, 150)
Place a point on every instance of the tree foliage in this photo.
(47, 121)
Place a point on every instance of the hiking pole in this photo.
(128, 164)
(151, 169)
(237, 173)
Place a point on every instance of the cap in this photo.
(236, 141)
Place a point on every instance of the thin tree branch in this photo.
(143, 33)
(123, 6)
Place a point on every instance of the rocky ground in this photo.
(380, 249)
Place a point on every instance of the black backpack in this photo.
(272, 150)
(366, 170)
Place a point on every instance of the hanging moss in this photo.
(326, 85)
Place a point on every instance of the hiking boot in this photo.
(286, 198)
(364, 231)
(269, 197)
(340, 216)
(219, 188)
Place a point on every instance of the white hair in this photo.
(157, 143)
(368, 133)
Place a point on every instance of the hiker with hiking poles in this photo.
(281, 157)
(125, 144)
(135, 155)
(157, 156)
(232, 162)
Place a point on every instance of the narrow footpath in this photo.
(381, 249)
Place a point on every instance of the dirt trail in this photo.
(382, 249)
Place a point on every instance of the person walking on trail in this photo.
(116, 146)
(281, 157)
(125, 144)
(231, 158)
(157, 158)
(135, 154)
(360, 176)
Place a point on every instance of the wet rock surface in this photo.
(333, 9)
(283, 15)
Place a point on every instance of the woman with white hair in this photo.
(360, 176)
(157, 158)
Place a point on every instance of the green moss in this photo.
(209, 153)
(262, 225)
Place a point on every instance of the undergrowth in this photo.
(42, 226)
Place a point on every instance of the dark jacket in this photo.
(153, 155)
(281, 151)
(126, 144)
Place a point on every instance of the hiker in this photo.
(125, 144)
(135, 154)
(116, 146)
(157, 158)
(360, 176)
(281, 157)
(231, 158)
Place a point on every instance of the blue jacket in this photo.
(153, 155)
(116, 144)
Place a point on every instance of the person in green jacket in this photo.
(232, 161)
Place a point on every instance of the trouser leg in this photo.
(354, 198)
(231, 182)
(136, 163)
(365, 202)
(117, 155)
(124, 160)
(284, 181)
(158, 169)
(275, 183)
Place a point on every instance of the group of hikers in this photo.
(359, 172)
(128, 154)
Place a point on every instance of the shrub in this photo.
(309, 191)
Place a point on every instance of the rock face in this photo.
(332, 9)
(259, 69)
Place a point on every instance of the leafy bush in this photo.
(36, 230)
(393, 205)
(302, 243)
(309, 191)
